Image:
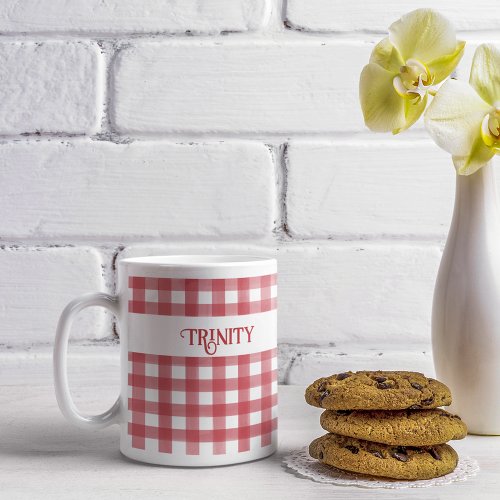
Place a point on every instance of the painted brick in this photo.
(90, 364)
(144, 189)
(131, 16)
(356, 293)
(50, 87)
(345, 15)
(233, 86)
(310, 364)
(290, 85)
(36, 285)
(369, 189)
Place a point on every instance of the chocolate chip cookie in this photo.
(397, 427)
(377, 390)
(398, 462)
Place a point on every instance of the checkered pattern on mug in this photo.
(202, 297)
(202, 405)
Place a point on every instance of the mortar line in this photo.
(261, 34)
(199, 138)
(110, 245)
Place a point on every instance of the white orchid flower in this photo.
(419, 53)
(464, 119)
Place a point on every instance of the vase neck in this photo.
(476, 204)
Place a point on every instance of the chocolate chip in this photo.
(434, 454)
(352, 449)
(322, 386)
(401, 449)
(380, 379)
(320, 455)
(342, 376)
(427, 401)
(323, 395)
(344, 412)
(377, 454)
(416, 386)
(383, 385)
(402, 457)
(414, 407)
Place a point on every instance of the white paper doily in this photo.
(301, 462)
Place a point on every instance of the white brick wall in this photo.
(97, 189)
(357, 189)
(250, 86)
(131, 16)
(36, 283)
(169, 126)
(376, 16)
(50, 86)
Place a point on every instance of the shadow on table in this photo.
(56, 439)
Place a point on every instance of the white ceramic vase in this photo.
(466, 308)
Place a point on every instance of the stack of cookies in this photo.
(385, 423)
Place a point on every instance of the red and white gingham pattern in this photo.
(197, 400)
(202, 297)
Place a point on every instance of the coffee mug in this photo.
(198, 359)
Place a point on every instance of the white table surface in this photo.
(43, 456)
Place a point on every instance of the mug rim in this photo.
(191, 261)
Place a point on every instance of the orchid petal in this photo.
(485, 73)
(412, 110)
(478, 157)
(423, 34)
(383, 108)
(454, 117)
(386, 55)
(443, 66)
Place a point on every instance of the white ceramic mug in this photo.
(198, 359)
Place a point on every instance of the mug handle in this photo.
(64, 399)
